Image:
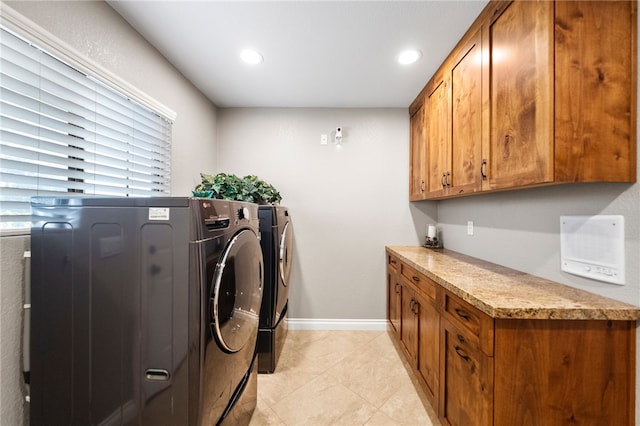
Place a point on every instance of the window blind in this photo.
(63, 131)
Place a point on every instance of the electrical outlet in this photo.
(470, 227)
(324, 140)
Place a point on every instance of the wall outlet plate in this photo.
(593, 247)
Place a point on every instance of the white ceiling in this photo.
(316, 53)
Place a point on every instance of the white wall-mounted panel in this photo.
(593, 247)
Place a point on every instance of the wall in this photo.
(346, 202)
(12, 403)
(99, 33)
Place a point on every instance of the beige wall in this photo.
(346, 202)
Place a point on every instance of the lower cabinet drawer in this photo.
(478, 326)
(420, 281)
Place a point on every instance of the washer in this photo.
(277, 250)
(143, 311)
(229, 282)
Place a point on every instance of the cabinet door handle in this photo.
(422, 188)
(447, 179)
(461, 338)
(411, 304)
(443, 180)
(416, 307)
(483, 169)
(462, 314)
(415, 279)
(462, 354)
(392, 261)
(397, 288)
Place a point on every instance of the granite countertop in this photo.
(502, 292)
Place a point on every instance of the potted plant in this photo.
(230, 187)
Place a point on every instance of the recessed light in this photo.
(251, 56)
(409, 56)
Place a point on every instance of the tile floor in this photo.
(340, 378)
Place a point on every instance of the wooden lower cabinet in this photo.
(429, 348)
(477, 370)
(393, 295)
(420, 331)
(467, 380)
(564, 372)
(410, 330)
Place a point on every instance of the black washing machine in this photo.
(143, 311)
(229, 273)
(277, 249)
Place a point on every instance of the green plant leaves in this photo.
(230, 187)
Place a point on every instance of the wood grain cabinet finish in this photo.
(421, 328)
(438, 140)
(480, 370)
(536, 93)
(466, 117)
(417, 160)
(564, 372)
(466, 393)
(394, 293)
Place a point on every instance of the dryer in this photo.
(143, 311)
(229, 280)
(277, 250)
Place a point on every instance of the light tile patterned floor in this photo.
(340, 378)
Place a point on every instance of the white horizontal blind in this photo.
(63, 131)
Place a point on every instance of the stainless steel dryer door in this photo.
(236, 293)
(284, 257)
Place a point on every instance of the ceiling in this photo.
(316, 53)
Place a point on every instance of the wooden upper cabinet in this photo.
(466, 118)
(595, 91)
(562, 93)
(520, 145)
(438, 140)
(417, 161)
(536, 93)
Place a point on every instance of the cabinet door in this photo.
(393, 296)
(466, 119)
(417, 166)
(429, 346)
(409, 329)
(438, 139)
(520, 145)
(466, 391)
(595, 94)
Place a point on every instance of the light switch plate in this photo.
(593, 247)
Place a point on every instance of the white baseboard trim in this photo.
(336, 324)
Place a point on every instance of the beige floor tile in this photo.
(272, 388)
(381, 419)
(323, 402)
(375, 378)
(406, 408)
(263, 415)
(339, 378)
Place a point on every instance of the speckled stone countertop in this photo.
(502, 292)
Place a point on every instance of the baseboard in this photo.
(336, 324)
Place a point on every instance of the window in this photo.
(65, 131)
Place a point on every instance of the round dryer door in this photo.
(237, 292)
(284, 261)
